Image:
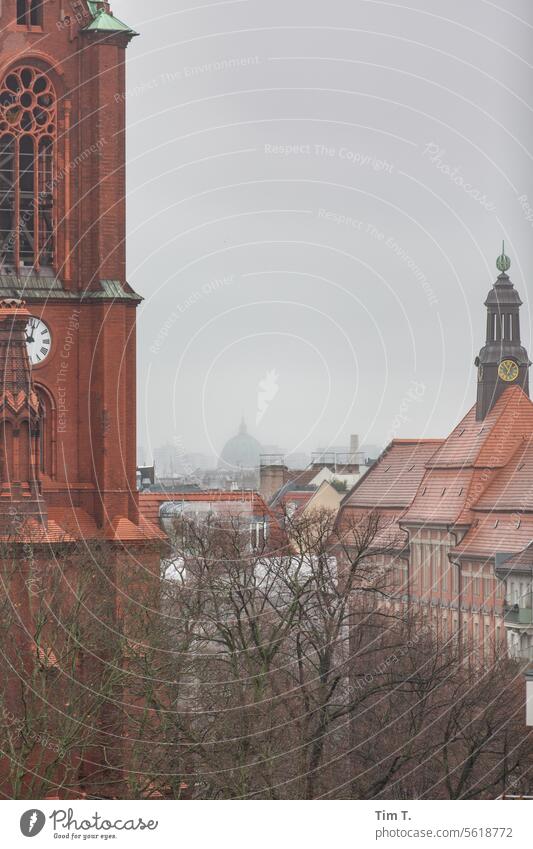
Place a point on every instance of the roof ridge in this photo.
(415, 441)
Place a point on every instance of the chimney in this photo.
(273, 475)
(354, 449)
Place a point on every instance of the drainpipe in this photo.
(407, 559)
(529, 697)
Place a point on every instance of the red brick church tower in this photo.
(67, 392)
(62, 251)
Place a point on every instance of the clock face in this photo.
(508, 371)
(38, 340)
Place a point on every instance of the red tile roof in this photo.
(72, 524)
(469, 480)
(389, 533)
(46, 657)
(123, 530)
(497, 532)
(492, 442)
(75, 522)
(393, 481)
(470, 459)
(150, 502)
(512, 488)
(441, 496)
(524, 559)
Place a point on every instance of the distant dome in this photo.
(241, 452)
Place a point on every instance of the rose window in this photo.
(27, 103)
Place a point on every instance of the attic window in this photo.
(481, 431)
(521, 466)
(496, 523)
(411, 469)
(461, 432)
(443, 491)
(30, 13)
(424, 490)
(461, 491)
(387, 469)
(518, 523)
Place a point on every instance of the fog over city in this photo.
(317, 194)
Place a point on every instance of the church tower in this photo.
(502, 361)
(68, 490)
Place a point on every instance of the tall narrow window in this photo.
(21, 12)
(28, 122)
(36, 13)
(47, 431)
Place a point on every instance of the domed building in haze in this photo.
(241, 453)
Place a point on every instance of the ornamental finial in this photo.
(503, 263)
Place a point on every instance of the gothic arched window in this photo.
(47, 433)
(28, 128)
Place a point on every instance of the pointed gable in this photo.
(489, 443)
(470, 459)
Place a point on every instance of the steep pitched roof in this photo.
(492, 442)
(393, 481)
(496, 532)
(512, 488)
(440, 497)
(471, 460)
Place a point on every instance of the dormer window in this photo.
(30, 13)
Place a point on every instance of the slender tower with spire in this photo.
(503, 361)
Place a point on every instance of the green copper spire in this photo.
(503, 263)
(103, 19)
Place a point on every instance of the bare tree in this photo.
(245, 670)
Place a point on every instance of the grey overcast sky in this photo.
(317, 194)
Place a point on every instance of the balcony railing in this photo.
(518, 615)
